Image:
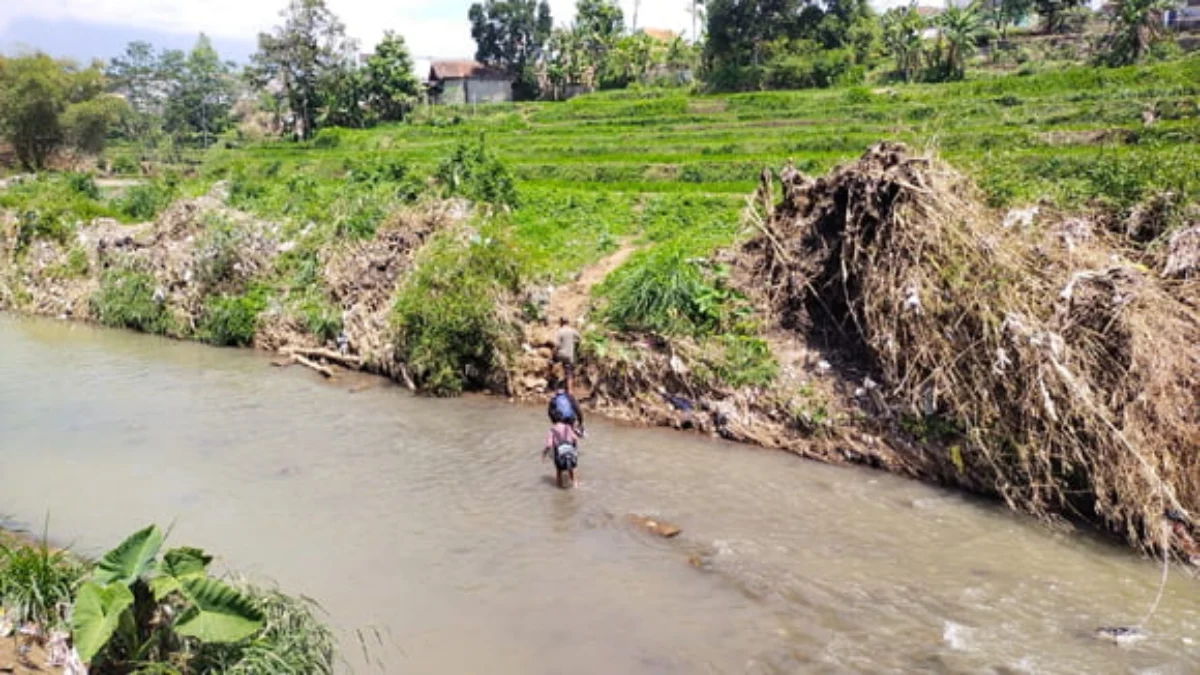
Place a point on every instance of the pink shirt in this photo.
(559, 434)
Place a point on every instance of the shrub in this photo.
(230, 321)
(661, 291)
(128, 298)
(474, 172)
(76, 266)
(330, 137)
(321, 319)
(83, 184)
(449, 329)
(125, 165)
(139, 607)
(218, 253)
(739, 361)
(143, 202)
(42, 224)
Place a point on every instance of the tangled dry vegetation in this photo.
(1035, 362)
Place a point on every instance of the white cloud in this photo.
(431, 27)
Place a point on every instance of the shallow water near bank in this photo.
(429, 529)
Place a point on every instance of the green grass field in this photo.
(675, 168)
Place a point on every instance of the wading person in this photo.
(564, 444)
(566, 341)
(564, 409)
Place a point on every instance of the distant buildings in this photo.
(467, 82)
(1186, 17)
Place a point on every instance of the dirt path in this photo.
(570, 301)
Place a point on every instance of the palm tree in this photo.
(961, 29)
(1134, 26)
(902, 36)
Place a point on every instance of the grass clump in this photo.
(128, 297)
(474, 172)
(231, 320)
(448, 319)
(36, 583)
(666, 292)
(145, 201)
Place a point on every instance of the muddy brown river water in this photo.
(431, 528)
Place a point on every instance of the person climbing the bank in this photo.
(564, 409)
(564, 443)
(566, 340)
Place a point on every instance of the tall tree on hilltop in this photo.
(961, 28)
(1005, 13)
(902, 28)
(598, 26)
(1134, 27)
(1053, 13)
(599, 20)
(740, 30)
(309, 46)
(202, 93)
(392, 88)
(138, 75)
(511, 35)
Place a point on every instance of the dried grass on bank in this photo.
(1059, 377)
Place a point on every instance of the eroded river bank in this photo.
(429, 528)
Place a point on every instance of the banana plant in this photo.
(138, 606)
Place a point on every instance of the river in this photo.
(429, 530)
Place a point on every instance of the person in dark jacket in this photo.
(564, 409)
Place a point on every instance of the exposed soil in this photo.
(24, 656)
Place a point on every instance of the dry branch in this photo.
(324, 370)
(1058, 377)
(346, 360)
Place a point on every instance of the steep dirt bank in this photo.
(914, 331)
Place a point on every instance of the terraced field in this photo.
(672, 167)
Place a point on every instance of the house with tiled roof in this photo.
(467, 82)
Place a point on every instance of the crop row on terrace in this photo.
(1023, 138)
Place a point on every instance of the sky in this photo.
(84, 29)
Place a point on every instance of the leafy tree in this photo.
(343, 88)
(863, 37)
(1005, 13)
(299, 56)
(961, 29)
(834, 26)
(1053, 13)
(86, 124)
(599, 23)
(202, 91)
(567, 61)
(391, 87)
(35, 92)
(137, 75)
(1134, 27)
(902, 28)
(739, 30)
(510, 34)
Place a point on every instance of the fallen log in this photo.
(346, 360)
(324, 370)
(408, 382)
